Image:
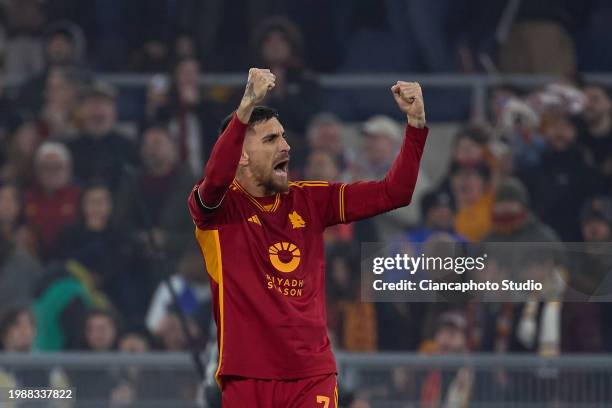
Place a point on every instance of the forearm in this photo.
(368, 198)
(223, 161)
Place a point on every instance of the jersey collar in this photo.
(265, 208)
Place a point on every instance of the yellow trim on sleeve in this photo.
(342, 210)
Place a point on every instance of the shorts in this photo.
(312, 392)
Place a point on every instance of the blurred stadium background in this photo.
(109, 108)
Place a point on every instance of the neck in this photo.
(602, 126)
(251, 186)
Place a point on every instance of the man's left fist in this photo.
(409, 98)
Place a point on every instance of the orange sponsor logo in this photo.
(285, 256)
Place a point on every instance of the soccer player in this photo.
(262, 241)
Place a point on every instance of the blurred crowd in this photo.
(93, 202)
(450, 36)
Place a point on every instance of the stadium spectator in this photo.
(67, 291)
(194, 114)
(57, 116)
(191, 285)
(512, 220)
(585, 324)
(563, 178)
(535, 37)
(449, 389)
(135, 340)
(185, 47)
(17, 330)
(325, 132)
(53, 201)
(471, 189)
(133, 383)
(19, 271)
(17, 334)
(172, 336)
(156, 188)
(472, 146)
(95, 241)
(19, 150)
(593, 263)
(321, 165)
(352, 323)
(156, 106)
(596, 134)
(437, 215)
(13, 230)
(382, 137)
(596, 219)
(64, 47)
(99, 334)
(99, 152)
(24, 49)
(277, 44)
(100, 331)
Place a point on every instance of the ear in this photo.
(244, 159)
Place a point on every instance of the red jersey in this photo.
(266, 261)
(49, 213)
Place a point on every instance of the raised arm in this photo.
(365, 199)
(223, 162)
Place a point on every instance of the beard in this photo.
(271, 181)
(276, 183)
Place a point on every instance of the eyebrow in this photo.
(271, 136)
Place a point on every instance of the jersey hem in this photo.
(294, 376)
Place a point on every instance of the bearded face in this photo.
(267, 155)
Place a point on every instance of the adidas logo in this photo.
(254, 219)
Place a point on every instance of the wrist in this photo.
(416, 121)
(244, 110)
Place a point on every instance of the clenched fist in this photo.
(260, 81)
(409, 98)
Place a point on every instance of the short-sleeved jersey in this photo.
(266, 263)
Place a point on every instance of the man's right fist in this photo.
(260, 81)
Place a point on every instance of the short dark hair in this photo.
(260, 114)
(9, 317)
(281, 24)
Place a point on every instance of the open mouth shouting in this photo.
(281, 167)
